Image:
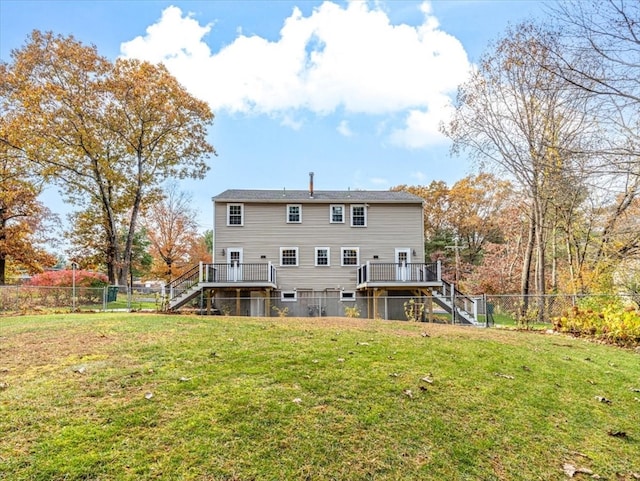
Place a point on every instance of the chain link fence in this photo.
(484, 310)
(25, 299)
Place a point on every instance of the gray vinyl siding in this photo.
(265, 230)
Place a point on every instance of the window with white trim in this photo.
(350, 256)
(294, 213)
(358, 216)
(347, 296)
(336, 214)
(235, 214)
(288, 256)
(323, 256)
(288, 296)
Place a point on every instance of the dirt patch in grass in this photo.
(32, 349)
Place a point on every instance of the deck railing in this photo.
(237, 273)
(399, 272)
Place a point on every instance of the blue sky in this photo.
(353, 91)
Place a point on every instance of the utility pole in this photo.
(456, 248)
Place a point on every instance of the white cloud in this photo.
(379, 181)
(339, 57)
(422, 127)
(343, 129)
(419, 176)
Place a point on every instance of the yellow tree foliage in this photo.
(172, 229)
(22, 219)
(109, 133)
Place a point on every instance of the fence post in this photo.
(453, 303)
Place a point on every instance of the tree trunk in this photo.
(3, 266)
(525, 282)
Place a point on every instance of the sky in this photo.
(353, 91)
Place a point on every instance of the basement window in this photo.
(347, 296)
(289, 296)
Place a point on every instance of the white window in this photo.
(347, 296)
(323, 256)
(358, 216)
(288, 296)
(336, 214)
(350, 256)
(288, 256)
(294, 213)
(235, 214)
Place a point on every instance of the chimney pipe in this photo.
(310, 184)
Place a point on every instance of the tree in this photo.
(108, 133)
(173, 232)
(530, 124)
(466, 213)
(605, 35)
(23, 219)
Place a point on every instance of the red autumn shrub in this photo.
(64, 278)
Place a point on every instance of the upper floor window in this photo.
(235, 214)
(350, 256)
(288, 256)
(336, 214)
(294, 213)
(322, 256)
(358, 216)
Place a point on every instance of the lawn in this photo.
(120, 396)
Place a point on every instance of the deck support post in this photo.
(376, 294)
(267, 294)
(238, 302)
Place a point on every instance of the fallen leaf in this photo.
(297, 400)
(634, 389)
(3, 386)
(184, 379)
(506, 376)
(80, 370)
(427, 379)
(148, 395)
(362, 343)
(569, 469)
(617, 434)
(603, 399)
(408, 393)
(340, 359)
(526, 368)
(425, 334)
(394, 374)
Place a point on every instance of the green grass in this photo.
(288, 399)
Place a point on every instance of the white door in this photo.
(257, 304)
(234, 269)
(403, 259)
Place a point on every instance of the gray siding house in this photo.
(313, 252)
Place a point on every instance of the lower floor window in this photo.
(322, 256)
(288, 256)
(349, 256)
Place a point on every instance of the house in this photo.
(314, 253)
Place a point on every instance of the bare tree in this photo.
(527, 122)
